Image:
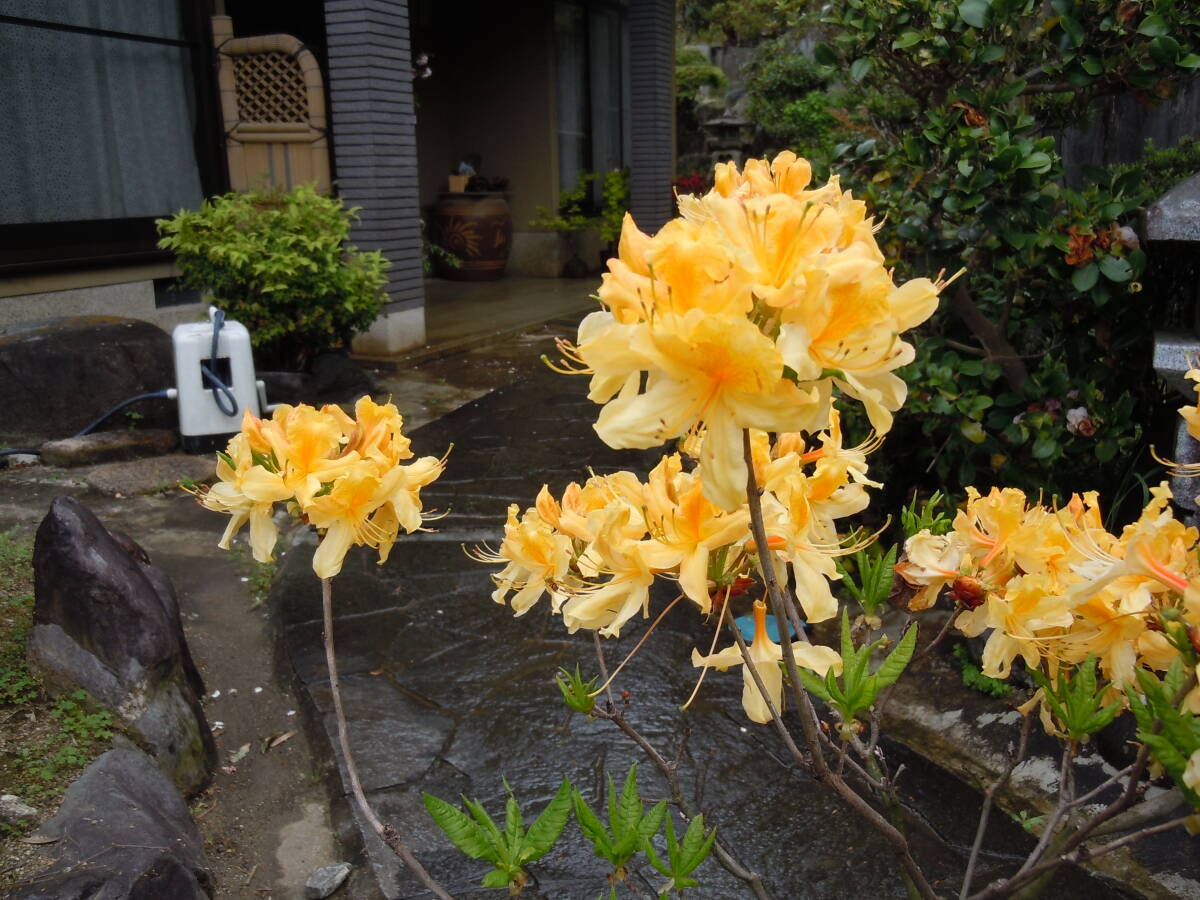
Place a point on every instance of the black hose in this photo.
(33, 451)
(222, 395)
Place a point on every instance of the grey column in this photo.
(374, 134)
(652, 119)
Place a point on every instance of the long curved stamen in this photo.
(711, 648)
(572, 362)
(1180, 470)
(662, 615)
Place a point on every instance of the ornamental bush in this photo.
(1037, 367)
(278, 262)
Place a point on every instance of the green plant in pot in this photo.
(279, 262)
(571, 217)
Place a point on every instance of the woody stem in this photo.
(914, 878)
(387, 833)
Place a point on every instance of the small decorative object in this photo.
(472, 223)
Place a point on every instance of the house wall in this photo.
(491, 93)
(120, 291)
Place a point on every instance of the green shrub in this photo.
(278, 263)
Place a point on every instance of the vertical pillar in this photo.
(375, 154)
(652, 104)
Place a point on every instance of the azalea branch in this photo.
(915, 879)
(387, 833)
(1065, 794)
(989, 798)
(1076, 857)
(670, 771)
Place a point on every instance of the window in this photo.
(107, 112)
(590, 62)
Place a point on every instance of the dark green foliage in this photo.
(576, 692)
(630, 830)
(616, 203)
(682, 856)
(278, 262)
(17, 685)
(1173, 735)
(973, 678)
(629, 824)
(930, 517)
(574, 208)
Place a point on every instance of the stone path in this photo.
(446, 692)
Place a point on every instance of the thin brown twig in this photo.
(988, 798)
(914, 877)
(1075, 857)
(387, 833)
(670, 772)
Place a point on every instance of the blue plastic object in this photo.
(745, 625)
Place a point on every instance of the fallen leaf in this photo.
(274, 742)
(239, 754)
(38, 839)
(377, 671)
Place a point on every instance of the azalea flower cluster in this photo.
(1056, 587)
(341, 474)
(746, 312)
(742, 316)
(597, 549)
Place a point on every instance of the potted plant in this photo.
(473, 224)
(570, 218)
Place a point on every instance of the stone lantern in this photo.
(1173, 235)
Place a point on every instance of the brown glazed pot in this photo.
(477, 228)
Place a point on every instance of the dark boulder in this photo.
(122, 833)
(106, 620)
(59, 375)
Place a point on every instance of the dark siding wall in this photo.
(652, 119)
(374, 134)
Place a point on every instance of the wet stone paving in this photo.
(447, 692)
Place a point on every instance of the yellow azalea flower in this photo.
(246, 496)
(685, 527)
(930, 562)
(375, 432)
(724, 375)
(536, 560)
(847, 322)
(766, 656)
(606, 606)
(1106, 628)
(1191, 772)
(345, 515)
(307, 444)
(1191, 414)
(1024, 616)
(985, 526)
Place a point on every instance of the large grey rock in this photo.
(107, 621)
(123, 833)
(58, 375)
